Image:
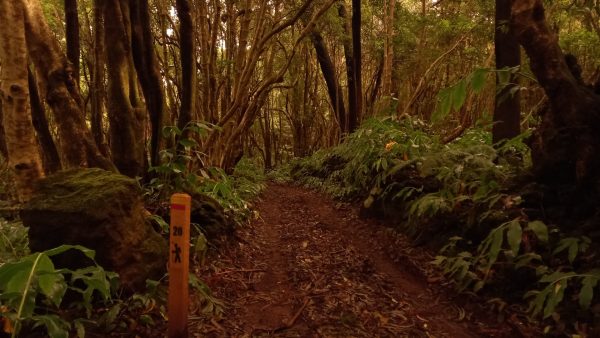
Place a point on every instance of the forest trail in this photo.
(310, 267)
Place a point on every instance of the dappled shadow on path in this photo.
(309, 267)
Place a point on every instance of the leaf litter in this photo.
(309, 267)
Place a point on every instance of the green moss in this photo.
(77, 190)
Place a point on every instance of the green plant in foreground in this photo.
(23, 282)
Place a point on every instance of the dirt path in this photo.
(308, 267)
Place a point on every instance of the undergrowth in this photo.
(472, 201)
(38, 299)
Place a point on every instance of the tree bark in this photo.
(61, 93)
(98, 90)
(507, 110)
(50, 157)
(388, 51)
(354, 116)
(350, 68)
(72, 32)
(126, 129)
(3, 150)
(23, 155)
(188, 63)
(333, 88)
(149, 75)
(566, 145)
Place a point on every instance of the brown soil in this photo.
(310, 267)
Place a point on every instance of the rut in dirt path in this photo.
(308, 267)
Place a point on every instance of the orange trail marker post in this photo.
(179, 265)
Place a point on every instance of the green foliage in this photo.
(182, 169)
(463, 197)
(32, 289)
(13, 240)
(351, 169)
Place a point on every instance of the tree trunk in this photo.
(388, 52)
(126, 138)
(50, 158)
(149, 75)
(350, 68)
(23, 155)
(62, 95)
(188, 63)
(507, 110)
(72, 32)
(3, 150)
(97, 90)
(333, 88)
(354, 116)
(566, 145)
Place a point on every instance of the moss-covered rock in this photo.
(210, 216)
(102, 211)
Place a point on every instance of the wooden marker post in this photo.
(179, 265)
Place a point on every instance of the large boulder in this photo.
(100, 210)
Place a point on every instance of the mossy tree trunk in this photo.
(566, 146)
(50, 157)
(60, 90)
(126, 121)
(23, 155)
(146, 66)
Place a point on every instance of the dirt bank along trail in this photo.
(310, 267)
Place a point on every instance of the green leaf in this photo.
(89, 253)
(539, 229)
(587, 291)
(56, 327)
(53, 286)
(496, 244)
(573, 250)
(188, 143)
(9, 270)
(555, 297)
(514, 235)
(459, 94)
(478, 78)
(80, 328)
(444, 105)
(18, 282)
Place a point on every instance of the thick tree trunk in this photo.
(566, 146)
(188, 63)
(76, 143)
(146, 65)
(333, 88)
(72, 32)
(126, 131)
(23, 155)
(50, 157)
(507, 110)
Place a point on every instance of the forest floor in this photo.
(307, 266)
